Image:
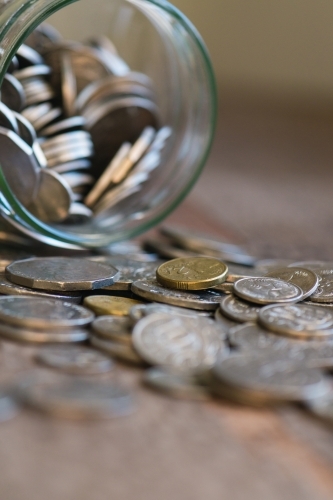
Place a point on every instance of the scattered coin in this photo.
(103, 305)
(239, 310)
(74, 359)
(267, 290)
(61, 273)
(193, 273)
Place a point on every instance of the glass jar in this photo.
(156, 39)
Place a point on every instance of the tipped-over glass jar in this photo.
(148, 105)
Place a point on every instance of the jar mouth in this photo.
(190, 112)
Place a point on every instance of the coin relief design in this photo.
(305, 279)
(324, 292)
(267, 290)
(192, 273)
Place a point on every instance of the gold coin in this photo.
(192, 273)
(105, 305)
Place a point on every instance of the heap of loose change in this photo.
(207, 321)
(79, 131)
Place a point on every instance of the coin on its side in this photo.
(206, 300)
(175, 385)
(267, 290)
(305, 279)
(324, 292)
(192, 273)
(118, 329)
(239, 310)
(42, 314)
(61, 273)
(77, 360)
(32, 335)
(106, 305)
(298, 320)
(180, 343)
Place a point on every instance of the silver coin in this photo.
(298, 320)
(324, 292)
(75, 359)
(66, 125)
(61, 273)
(239, 310)
(77, 398)
(310, 354)
(32, 71)
(267, 290)
(207, 300)
(118, 350)
(305, 279)
(181, 343)
(33, 335)
(53, 198)
(26, 130)
(175, 385)
(81, 164)
(270, 381)
(113, 328)
(251, 337)
(12, 93)
(140, 311)
(28, 56)
(44, 313)
(9, 288)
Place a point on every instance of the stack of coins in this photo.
(79, 131)
(214, 322)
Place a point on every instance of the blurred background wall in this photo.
(265, 52)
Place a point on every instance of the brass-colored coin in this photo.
(106, 305)
(192, 273)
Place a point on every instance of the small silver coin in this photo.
(77, 398)
(182, 344)
(117, 350)
(299, 320)
(305, 279)
(324, 292)
(74, 359)
(270, 381)
(33, 335)
(48, 314)
(175, 385)
(9, 288)
(207, 300)
(239, 310)
(267, 291)
(61, 273)
(113, 328)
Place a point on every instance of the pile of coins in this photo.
(79, 131)
(210, 321)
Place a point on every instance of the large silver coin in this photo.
(61, 273)
(117, 350)
(175, 385)
(253, 338)
(74, 359)
(267, 290)
(305, 279)
(299, 320)
(47, 336)
(183, 344)
(270, 381)
(9, 288)
(113, 328)
(77, 398)
(207, 300)
(324, 292)
(239, 310)
(49, 314)
(140, 311)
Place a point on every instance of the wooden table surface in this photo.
(173, 449)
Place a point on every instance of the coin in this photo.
(40, 336)
(267, 290)
(298, 320)
(118, 329)
(140, 311)
(61, 273)
(207, 300)
(175, 385)
(104, 305)
(194, 273)
(74, 359)
(324, 292)
(225, 323)
(77, 398)
(183, 344)
(120, 351)
(239, 310)
(253, 338)
(49, 314)
(305, 279)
